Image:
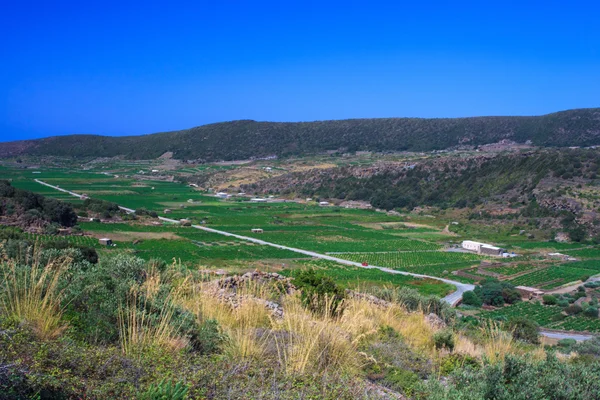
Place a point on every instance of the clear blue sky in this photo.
(129, 67)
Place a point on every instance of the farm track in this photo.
(451, 299)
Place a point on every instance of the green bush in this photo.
(471, 299)
(444, 339)
(453, 362)
(320, 293)
(525, 329)
(591, 312)
(518, 378)
(563, 303)
(549, 300)
(401, 379)
(573, 309)
(165, 390)
(566, 343)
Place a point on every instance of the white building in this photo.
(257, 230)
(482, 248)
(258, 200)
(221, 195)
(323, 203)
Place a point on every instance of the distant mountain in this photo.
(245, 139)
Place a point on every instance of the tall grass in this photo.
(139, 330)
(246, 323)
(31, 294)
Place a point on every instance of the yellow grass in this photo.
(32, 295)
(240, 323)
(137, 330)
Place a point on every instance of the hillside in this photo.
(246, 139)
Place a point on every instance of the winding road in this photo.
(452, 299)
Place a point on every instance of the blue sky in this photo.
(142, 67)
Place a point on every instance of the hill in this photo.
(246, 139)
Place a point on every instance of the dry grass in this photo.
(498, 343)
(318, 343)
(32, 295)
(240, 322)
(139, 330)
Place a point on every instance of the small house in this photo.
(257, 230)
(529, 293)
(106, 242)
(221, 195)
(185, 222)
(323, 203)
(258, 200)
(167, 211)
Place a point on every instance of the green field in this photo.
(362, 279)
(546, 316)
(555, 276)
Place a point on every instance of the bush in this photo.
(573, 309)
(165, 391)
(524, 329)
(444, 339)
(566, 343)
(320, 293)
(401, 379)
(518, 378)
(471, 299)
(549, 300)
(591, 312)
(563, 303)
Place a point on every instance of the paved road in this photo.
(562, 335)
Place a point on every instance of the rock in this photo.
(435, 321)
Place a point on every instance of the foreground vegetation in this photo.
(129, 328)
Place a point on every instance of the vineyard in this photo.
(412, 260)
(511, 269)
(555, 276)
(363, 279)
(77, 240)
(546, 316)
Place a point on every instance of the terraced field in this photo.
(555, 276)
(546, 316)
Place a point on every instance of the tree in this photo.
(525, 329)
(472, 299)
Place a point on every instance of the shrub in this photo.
(165, 390)
(591, 312)
(471, 299)
(549, 300)
(453, 362)
(444, 339)
(573, 309)
(320, 293)
(566, 343)
(524, 329)
(401, 379)
(563, 303)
